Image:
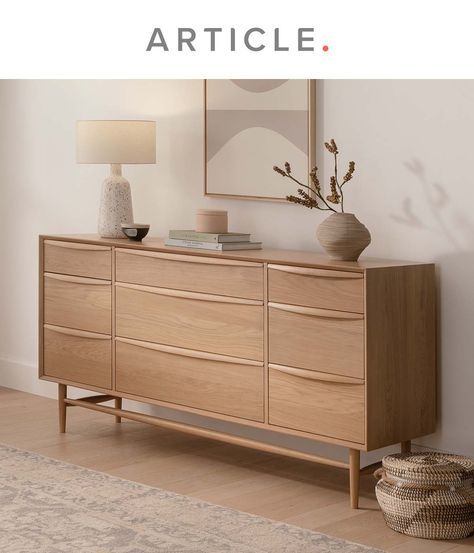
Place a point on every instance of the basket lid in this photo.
(429, 468)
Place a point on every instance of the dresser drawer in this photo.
(305, 400)
(327, 289)
(317, 339)
(78, 356)
(216, 324)
(76, 302)
(190, 378)
(187, 272)
(71, 258)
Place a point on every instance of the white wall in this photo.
(414, 189)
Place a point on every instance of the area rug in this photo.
(47, 506)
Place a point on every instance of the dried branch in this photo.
(315, 199)
(335, 197)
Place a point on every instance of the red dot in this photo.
(325, 48)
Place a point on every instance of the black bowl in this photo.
(135, 231)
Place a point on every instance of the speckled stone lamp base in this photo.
(115, 206)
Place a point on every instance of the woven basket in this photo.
(427, 495)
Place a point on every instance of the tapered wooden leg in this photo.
(62, 394)
(405, 447)
(118, 405)
(354, 474)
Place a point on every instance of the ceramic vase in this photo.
(343, 236)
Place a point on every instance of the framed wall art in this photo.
(252, 125)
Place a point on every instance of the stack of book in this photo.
(225, 241)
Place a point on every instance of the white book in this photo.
(208, 236)
(215, 246)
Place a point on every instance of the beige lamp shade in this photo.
(116, 142)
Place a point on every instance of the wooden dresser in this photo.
(337, 352)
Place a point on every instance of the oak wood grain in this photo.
(207, 384)
(324, 344)
(327, 408)
(207, 433)
(81, 303)
(194, 353)
(226, 320)
(265, 255)
(224, 328)
(400, 354)
(77, 333)
(196, 274)
(187, 294)
(77, 259)
(62, 393)
(314, 375)
(331, 290)
(316, 311)
(265, 342)
(78, 356)
(323, 273)
(238, 422)
(354, 477)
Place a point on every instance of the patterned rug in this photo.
(48, 506)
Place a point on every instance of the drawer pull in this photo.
(323, 273)
(76, 246)
(316, 312)
(314, 375)
(188, 295)
(74, 332)
(191, 353)
(190, 258)
(78, 280)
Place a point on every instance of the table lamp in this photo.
(115, 142)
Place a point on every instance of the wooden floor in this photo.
(297, 492)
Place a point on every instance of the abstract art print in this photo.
(252, 125)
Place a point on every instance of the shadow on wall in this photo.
(455, 307)
(455, 317)
(449, 222)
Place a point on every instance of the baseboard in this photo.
(25, 378)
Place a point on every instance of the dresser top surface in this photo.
(265, 255)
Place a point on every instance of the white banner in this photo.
(241, 38)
